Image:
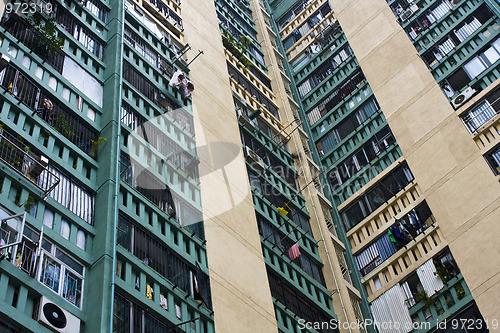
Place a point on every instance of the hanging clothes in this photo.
(294, 251)
(392, 237)
(180, 80)
(163, 302)
(406, 234)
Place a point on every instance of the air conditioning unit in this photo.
(408, 13)
(463, 97)
(55, 318)
(314, 49)
(254, 159)
(4, 61)
(245, 120)
(36, 169)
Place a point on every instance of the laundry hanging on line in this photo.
(294, 251)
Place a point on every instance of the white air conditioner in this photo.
(463, 97)
(36, 169)
(55, 318)
(408, 13)
(254, 159)
(245, 119)
(314, 48)
(4, 61)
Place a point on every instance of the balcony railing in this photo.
(449, 300)
(26, 164)
(480, 115)
(169, 14)
(28, 93)
(21, 30)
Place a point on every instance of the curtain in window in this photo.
(329, 141)
(72, 196)
(385, 247)
(447, 46)
(467, 29)
(441, 10)
(367, 256)
(390, 308)
(430, 281)
(474, 67)
(304, 88)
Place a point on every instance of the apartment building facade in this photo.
(294, 190)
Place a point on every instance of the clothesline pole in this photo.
(200, 52)
(277, 134)
(184, 50)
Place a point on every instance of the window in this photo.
(483, 112)
(493, 159)
(163, 260)
(65, 229)
(131, 317)
(385, 189)
(61, 273)
(359, 159)
(96, 8)
(335, 97)
(411, 225)
(83, 81)
(474, 67)
(295, 302)
(72, 196)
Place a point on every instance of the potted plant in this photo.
(95, 146)
(49, 42)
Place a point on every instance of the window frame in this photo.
(63, 269)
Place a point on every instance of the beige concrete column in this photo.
(240, 291)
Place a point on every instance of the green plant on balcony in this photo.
(95, 146)
(460, 291)
(423, 297)
(30, 202)
(63, 127)
(49, 41)
(17, 199)
(442, 272)
(237, 48)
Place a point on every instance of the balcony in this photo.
(41, 103)
(476, 118)
(447, 302)
(27, 164)
(26, 35)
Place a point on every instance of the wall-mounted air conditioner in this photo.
(245, 119)
(4, 61)
(408, 13)
(36, 169)
(254, 159)
(463, 97)
(55, 318)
